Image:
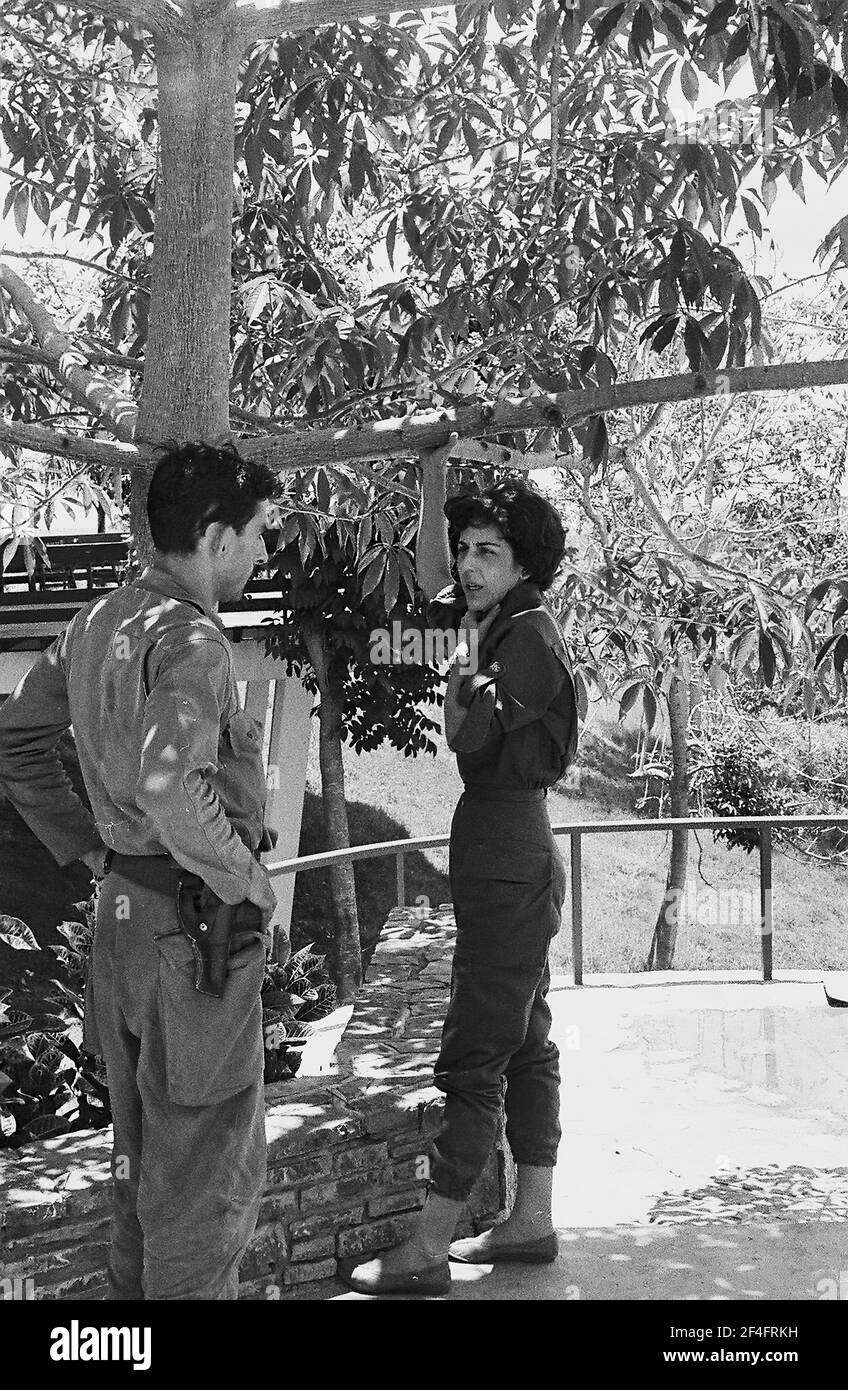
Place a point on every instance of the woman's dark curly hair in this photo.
(525, 519)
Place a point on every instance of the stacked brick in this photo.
(348, 1151)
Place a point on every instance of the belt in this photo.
(157, 871)
(482, 791)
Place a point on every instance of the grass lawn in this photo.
(623, 875)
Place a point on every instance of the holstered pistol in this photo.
(213, 927)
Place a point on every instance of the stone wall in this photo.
(348, 1149)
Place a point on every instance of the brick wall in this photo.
(347, 1149)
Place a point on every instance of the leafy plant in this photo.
(293, 996)
(742, 782)
(49, 1085)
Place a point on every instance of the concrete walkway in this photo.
(705, 1149)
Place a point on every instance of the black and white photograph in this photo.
(424, 669)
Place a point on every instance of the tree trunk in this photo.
(661, 954)
(185, 392)
(346, 955)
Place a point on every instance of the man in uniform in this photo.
(174, 774)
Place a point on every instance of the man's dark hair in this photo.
(525, 519)
(196, 484)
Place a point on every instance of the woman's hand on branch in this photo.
(436, 460)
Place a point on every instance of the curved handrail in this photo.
(576, 830)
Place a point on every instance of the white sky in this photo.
(796, 227)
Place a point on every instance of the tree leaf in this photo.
(21, 210)
(17, 934)
(596, 440)
(44, 1125)
(737, 47)
(717, 21)
(665, 333)
(752, 216)
(692, 343)
(607, 24)
(815, 597)
(641, 41)
(689, 82)
(392, 583)
(373, 575)
(629, 699)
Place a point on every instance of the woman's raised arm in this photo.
(432, 556)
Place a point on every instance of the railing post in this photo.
(401, 884)
(577, 905)
(765, 900)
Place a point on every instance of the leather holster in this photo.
(215, 930)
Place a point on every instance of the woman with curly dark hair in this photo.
(511, 719)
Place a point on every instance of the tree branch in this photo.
(65, 445)
(556, 62)
(25, 352)
(69, 260)
(267, 19)
(401, 438)
(291, 448)
(701, 561)
(156, 16)
(594, 516)
(117, 411)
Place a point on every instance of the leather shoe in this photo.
(372, 1278)
(476, 1250)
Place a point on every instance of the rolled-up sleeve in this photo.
(32, 720)
(182, 723)
(514, 688)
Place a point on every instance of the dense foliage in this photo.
(50, 1085)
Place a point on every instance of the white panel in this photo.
(291, 726)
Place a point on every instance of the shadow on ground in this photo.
(758, 1261)
(376, 889)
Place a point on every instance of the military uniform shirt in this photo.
(520, 727)
(171, 765)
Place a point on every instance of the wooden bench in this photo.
(94, 559)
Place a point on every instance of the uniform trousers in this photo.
(508, 884)
(185, 1081)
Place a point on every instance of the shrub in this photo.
(738, 781)
(48, 1085)
(769, 765)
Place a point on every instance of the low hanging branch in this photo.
(402, 438)
(291, 449)
(66, 445)
(116, 411)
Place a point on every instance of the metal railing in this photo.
(576, 831)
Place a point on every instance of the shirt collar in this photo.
(525, 594)
(160, 581)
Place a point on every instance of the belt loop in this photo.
(107, 862)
